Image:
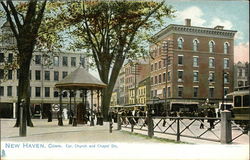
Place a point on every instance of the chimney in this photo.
(219, 27)
(188, 22)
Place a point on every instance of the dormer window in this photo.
(180, 43)
(211, 46)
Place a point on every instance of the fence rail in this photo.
(215, 129)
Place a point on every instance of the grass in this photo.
(163, 140)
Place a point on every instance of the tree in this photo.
(25, 28)
(111, 32)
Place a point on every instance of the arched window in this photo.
(195, 45)
(226, 47)
(211, 46)
(180, 43)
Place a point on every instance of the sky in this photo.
(233, 15)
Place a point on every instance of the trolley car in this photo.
(241, 105)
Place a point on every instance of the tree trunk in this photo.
(24, 89)
(106, 97)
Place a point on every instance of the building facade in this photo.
(46, 70)
(241, 74)
(134, 73)
(191, 64)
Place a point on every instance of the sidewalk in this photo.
(44, 131)
(50, 141)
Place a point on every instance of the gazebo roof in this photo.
(80, 79)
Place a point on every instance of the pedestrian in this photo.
(50, 115)
(202, 115)
(211, 114)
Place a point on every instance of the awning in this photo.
(239, 93)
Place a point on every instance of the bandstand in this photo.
(83, 81)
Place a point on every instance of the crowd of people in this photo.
(135, 116)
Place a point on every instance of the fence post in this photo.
(119, 124)
(178, 130)
(226, 128)
(150, 126)
(132, 127)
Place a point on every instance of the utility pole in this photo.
(223, 84)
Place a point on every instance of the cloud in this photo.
(239, 35)
(241, 52)
(217, 21)
(194, 13)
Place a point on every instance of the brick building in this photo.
(192, 60)
(134, 73)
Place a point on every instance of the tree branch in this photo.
(12, 25)
(15, 14)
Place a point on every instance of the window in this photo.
(246, 101)
(211, 46)
(180, 59)
(156, 79)
(155, 93)
(164, 62)
(159, 64)
(65, 61)
(226, 47)
(1, 73)
(164, 77)
(38, 59)
(237, 101)
(226, 91)
(211, 76)
(65, 94)
(56, 75)
(196, 89)
(169, 92)
(155, 66)
(211, 62)
(240, 83)
(10, 58)
(169, 76)
(38, 91)
(180, 43)
(164, 92)
(180, 91)
(152, 67)
(38, 75)
(73, 61)
(56, 61)
(196, 76)
(160, 78)
(56, 94)
(152, 81)
(47, 75)
(47, 92)
(180, 75)
(211, 92)
(9, 90)
(1, 91)
(226, 78)
(1, 57)
(82, 61)
(30, 75)
(195, 61)
(226, 63)
(195, 45)
(9, 74)
(64, 74)
(240, 72)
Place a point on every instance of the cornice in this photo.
(192, 30)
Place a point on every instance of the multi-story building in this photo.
(190, 64)
(134, 73)
(143, 91)
(46, 70)
(241, 74)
